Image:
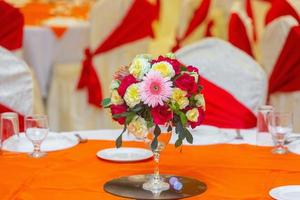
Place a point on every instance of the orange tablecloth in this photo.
(35, 13)
(232, 172)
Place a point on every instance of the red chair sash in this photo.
(199, 16)
(224, 110)
(280, 8)
(11, 26)
(237, 34)
(285, 76)
(137, 24)
(21, 120)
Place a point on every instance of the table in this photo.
(47, 45)
(232, 172)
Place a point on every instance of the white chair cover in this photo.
(229, 68)
(272, 43)
(18, 91)
(68, 108)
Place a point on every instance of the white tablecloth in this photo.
(43, 49)
(250, 135)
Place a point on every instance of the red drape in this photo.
(285, 76)
(280, 8)
(199, 16)
(3, 109)
(11, 26)
(224, 110)
(137, 24)
(237, 34)
(249, 11)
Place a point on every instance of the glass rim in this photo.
(284, 113)
(265, 107)
(9, 115)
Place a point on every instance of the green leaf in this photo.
(180, 131)
(130, 117)
(120, 115)
(119, 139)
(137, 108)
(150, 124)
(178, 143)
(157, 131)
(169, 128)
(188, 136)
(106, 102)
(183, 118)
(154, 144)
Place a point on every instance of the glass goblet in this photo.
(36, 129)
(156, 183)
(280, 125)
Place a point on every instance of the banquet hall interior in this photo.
(95, 95)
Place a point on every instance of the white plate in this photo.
(53, 142)
(290, 192)
(64, 22)
(124, 154)
(294, 147)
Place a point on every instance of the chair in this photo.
(74, 101)
(281, 60)
(234, 84)
(18, 91)
(11, 31)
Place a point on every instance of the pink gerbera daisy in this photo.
(155, 89)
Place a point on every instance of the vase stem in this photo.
(156, 176)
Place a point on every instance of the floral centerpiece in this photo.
(152, 92)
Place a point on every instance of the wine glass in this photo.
(280, 125)
(157, 139)
(36, 127)
(9, 126)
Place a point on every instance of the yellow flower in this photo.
(139, 67)
(165, 68)
(192, 115)
(138, 127)
(116, 99)
(132, 96)
(179, 96)
(200, 101)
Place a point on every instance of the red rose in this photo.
(200, 118)
(175, 63)
(187, 82)
(126, 82)
(192, 69)
(161, 114)
(118, 109)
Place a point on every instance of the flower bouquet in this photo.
(151, 96)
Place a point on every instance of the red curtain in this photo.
(224, 110)
(280, 8)
(237, 34)
(199, 16)
(11, 26)
(137, 24)
(285, 76)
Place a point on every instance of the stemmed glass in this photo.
(280, 125)
(156, 183)
(36, 127)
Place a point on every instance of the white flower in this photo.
(116, 99)
(138, 127)
(139, 66)
(132, 96)
(114, 84)
(200, 101)
(165, 68)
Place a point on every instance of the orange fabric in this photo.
(232, 172)
(36, 13)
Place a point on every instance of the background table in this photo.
(44, 45)
(232, 172)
